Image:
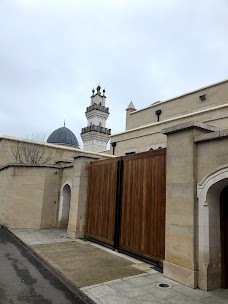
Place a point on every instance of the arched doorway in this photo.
(64, 208)
(224, 235)
(211, 193)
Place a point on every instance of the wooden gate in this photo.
(102, 201)
(126, 204)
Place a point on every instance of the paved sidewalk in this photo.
(143, 289)
(62, 252)
(42, 236)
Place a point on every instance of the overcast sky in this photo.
(53, 52)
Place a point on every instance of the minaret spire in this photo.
(96, 136)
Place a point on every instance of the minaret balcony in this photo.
(96, 129)
(96, 106)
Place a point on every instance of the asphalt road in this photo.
(26, 279)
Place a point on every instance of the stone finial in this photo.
(93, 91)
(98, 89)
(131, 107)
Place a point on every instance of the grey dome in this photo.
(63, 136)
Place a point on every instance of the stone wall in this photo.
(28, 196)
(216, 95)
(150, 136)
(56, 153)
(212, 175)
(79, 193)
(195, 152)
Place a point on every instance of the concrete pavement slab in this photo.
(148, 299)
(182, 299)
(162, 293)
(195, 294)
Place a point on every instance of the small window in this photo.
(159, 147)
(151, 149)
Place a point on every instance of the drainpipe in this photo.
(113, 144)
(158, 113)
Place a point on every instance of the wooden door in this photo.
(101, 210)
(142, 229)
(126, 204)
(224, 236)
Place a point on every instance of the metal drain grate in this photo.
(164, 285)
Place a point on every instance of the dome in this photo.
(63, 136)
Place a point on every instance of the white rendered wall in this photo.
(98, 99)
(95, 146)
(96, 120)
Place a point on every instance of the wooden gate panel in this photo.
(142, 228)
(100, 222)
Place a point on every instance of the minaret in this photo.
(96, 136)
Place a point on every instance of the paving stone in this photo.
(196, 294)
(97, 301)
(220, 293)
(153, 271)
(214, 300)
(91, 286)
(113, 281)
(101, 291)
(159, 278)
(181, 299)
(149, 299)
(139, 281)
(162, 293)
(133, 292)
(115, 299)
(127, 289)
(135, 276)
(121, 286)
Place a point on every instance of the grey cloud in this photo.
(53, 52)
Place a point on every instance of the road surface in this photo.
(26, 279)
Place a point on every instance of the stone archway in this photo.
(64, 205)
(209, 234)
(224, 235)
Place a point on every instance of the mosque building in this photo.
(172, 153)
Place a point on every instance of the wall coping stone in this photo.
(93, 156)
(189, 125)
(211, 136)
(54, 146)
(190, 115)
(28, 166)
(181, 96)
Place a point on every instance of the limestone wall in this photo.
(180, 253)
(192, 245)
(52, 183)
(67, 174)
(79, 193)
(3, 193)
(189, 103)
(145, 138)
(28, 197)
(212, 155)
